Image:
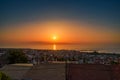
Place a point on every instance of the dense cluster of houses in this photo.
(100, 58)
(36, 56)
(78, 57)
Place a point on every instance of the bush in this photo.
(112, 62)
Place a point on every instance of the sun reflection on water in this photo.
(54, 46)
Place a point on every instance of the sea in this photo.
(100, 48)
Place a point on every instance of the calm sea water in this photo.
(99, 48)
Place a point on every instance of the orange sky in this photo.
(65, 31)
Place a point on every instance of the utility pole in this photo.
(66, 67)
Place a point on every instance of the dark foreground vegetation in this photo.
(4, 76)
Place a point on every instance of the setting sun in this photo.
(54, 37)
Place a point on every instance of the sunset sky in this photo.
(59, 21)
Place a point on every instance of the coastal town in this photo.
(30, 64)
(37, 56)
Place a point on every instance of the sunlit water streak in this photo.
(54, 46)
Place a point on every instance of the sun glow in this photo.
(54, 37)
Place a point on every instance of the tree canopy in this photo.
(17, 57)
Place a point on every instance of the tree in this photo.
(4, 76)
(17, 57)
